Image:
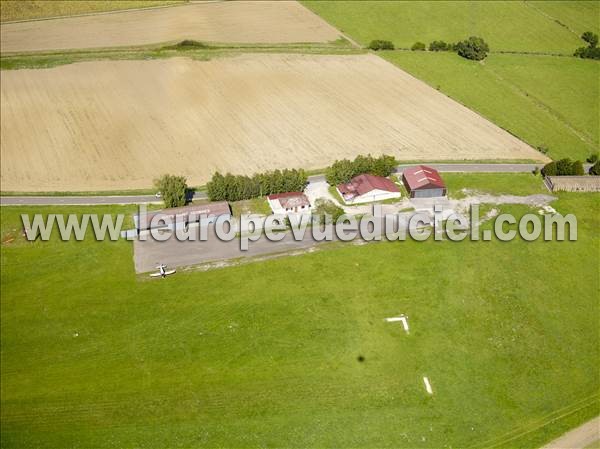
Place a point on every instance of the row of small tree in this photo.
(241, 187)
(344, 170)
(474, 47)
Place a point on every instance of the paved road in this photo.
(578, 438)
(141, 199)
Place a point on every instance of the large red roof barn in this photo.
(423, 182)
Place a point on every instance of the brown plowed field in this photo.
(238, 21)
(120, 124)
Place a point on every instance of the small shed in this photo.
(423, 182)
(368, 188)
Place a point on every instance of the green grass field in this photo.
(506, 25)
(266, 354)
(544, 100)
(11, 10)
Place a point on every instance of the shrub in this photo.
(549, 169)
(535, 171)
(542, 149)
(325, 207)
(587, 52)
(173, 190)
(439, 46)
(344, 170)
(590, 38)
(563, 167)
(577, 169)
(593, 158)
(473, 48)
(418, 46)
(595, 169)
(187, 44)
(240, 187)
(381, 45)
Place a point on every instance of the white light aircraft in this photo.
(162, 272)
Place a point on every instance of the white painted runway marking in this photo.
(403, 319)
(427, 385)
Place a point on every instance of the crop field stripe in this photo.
(223, 116)
(234, 22)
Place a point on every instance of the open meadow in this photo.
(545, 100)
(266, 354)
(548, 101)
(238, 22)
(243, 114)
(506, 25)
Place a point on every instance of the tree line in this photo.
(344, 170)
(241, 187)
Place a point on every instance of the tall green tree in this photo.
(173, 190)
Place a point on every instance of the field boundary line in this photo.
(543, 106)
(545, 420)
(551, 18)
(101, 13)
(344, 35)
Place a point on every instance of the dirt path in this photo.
(578, 438)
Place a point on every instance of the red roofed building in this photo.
(367, 188)
(289, 203)
(423, 182)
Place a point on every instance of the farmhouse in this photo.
(181, 216)
(289, 203)
(423, 182)
(367, 188)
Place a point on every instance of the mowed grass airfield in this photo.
(294, 351)
(266, 354)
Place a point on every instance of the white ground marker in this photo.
(427, 385)
(403, 319)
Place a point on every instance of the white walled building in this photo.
(289, 203)
(368, 188)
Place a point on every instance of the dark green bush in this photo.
(577, 168)
(345, 170)
(439, 46)
(474, 48)
(188, 44)
(595, 169)
(418, 46)
(587, 52)
(563, 167)
(593, 158)
(590, 38)
(549, 169)
(381, 45)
